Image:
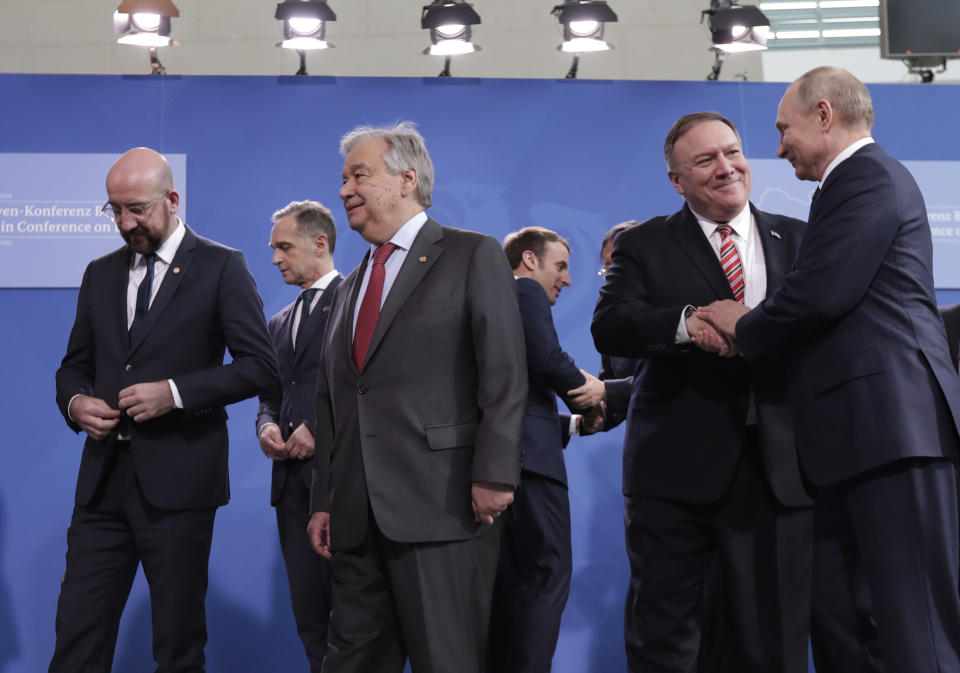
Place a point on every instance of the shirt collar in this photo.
(323, 281)
(741, 223)
(168, 249)
(845, 154)
(404, 236)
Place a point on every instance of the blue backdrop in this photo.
(575, 156)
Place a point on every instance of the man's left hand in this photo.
(143, 401)
(490, 500)
(300, 443)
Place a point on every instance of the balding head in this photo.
(140, 190)
(849, 97)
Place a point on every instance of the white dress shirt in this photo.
(320, 284)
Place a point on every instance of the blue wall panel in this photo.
(575, 156)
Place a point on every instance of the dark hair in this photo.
(687, 122)
(534, 239)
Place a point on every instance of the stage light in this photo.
(734, 29)
(583, 22)
(146, 23)
(304, 27)
(449, 22)
(737, 28)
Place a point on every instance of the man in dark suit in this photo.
(536, 561)
(951, 322)
(710, 467)
(144, 377)
(303, 240)
(615, 372)
(420, 400)
(874, 397)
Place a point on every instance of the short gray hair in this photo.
(848, 95)
(313, 219)
(406, 150)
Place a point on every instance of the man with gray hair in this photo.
(303, 239)
(420, 403)
(874, 397)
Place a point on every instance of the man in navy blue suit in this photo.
(303, 240)
(710, 476)
(144, 377)
(873, 394)
(536, 563)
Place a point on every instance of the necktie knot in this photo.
(383, 252)
(306, 300)
(724, 230)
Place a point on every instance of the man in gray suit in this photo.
(420, 403)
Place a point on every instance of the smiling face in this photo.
(552, 271)
(802, 140)
(710, 171)
(376, 201)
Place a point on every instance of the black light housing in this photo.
(583, 22)
(449, 22)
(304, 24)
(738, 28)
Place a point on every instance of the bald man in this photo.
(144, 378)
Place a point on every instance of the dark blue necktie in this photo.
(306, 301)
(143, 292)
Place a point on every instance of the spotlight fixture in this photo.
(734, 29)
(449, 23)
(146, 23)
(583, 22)
(304, 27)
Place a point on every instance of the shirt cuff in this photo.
(69, 415)
(574, 424)
(264, 427)
(682, 337)
(177, 402)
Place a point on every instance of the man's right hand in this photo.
(588, 395)
(272, 444)
(319, 531)
(94, 416)
(707, 338)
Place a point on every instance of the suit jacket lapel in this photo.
(171, 281)
(774, 250)
(122, 273)
(316, 318)
(354, 280)
(420, 259)
(690, 237)
(285, 346)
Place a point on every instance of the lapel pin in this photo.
(176, 269)
(423, 259)
(326, 308)
(776, 234)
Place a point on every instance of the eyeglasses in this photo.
(135, 210)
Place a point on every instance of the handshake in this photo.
(713, 328)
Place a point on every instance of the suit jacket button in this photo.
(129, 367)
(293, 383)
(362, 390)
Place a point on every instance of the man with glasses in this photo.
(144, 377)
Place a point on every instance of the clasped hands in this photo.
(141, 402)
(299, 445)
(713, 328)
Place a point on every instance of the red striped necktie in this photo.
(370, 306)
(730, 261)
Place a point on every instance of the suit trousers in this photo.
(885, 594)
(429, 602)
(533, 579)
(764, 557)
(106, 541)
(307, 572)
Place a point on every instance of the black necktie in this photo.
(306, 301)
(143, 292)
